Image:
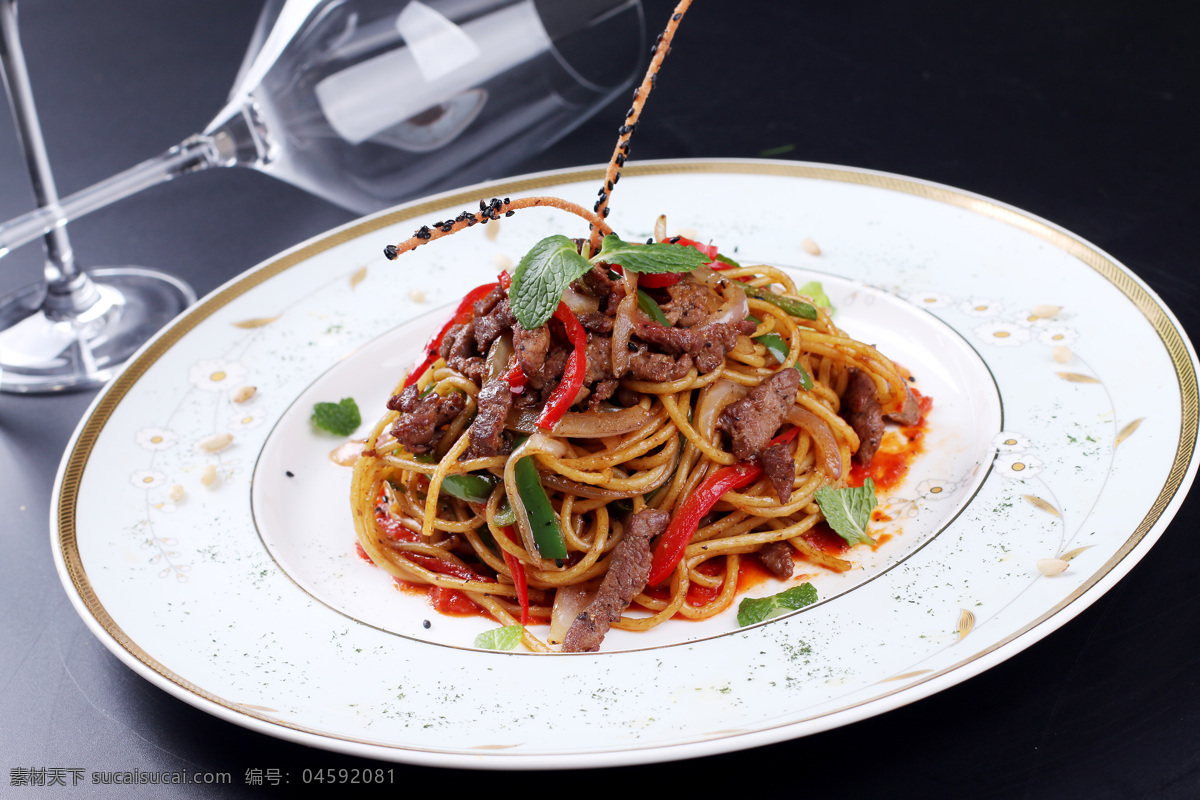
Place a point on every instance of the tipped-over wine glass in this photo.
(368, 103)
(77, 328)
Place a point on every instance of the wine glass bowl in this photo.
(369, 102)
(365, 103)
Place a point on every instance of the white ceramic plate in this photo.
(244, 597)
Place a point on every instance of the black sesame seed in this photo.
(620, 159)
(616, 177)
(676, 17)
(389, 252)
(624, 129)
(558, 562)
(509, 213)
(290, 474)
(606, 210)
(650, 240)
(426, 624)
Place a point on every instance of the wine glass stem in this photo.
(61, 271)
(64, 279)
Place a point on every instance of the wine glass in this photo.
(367, 103)
(77, 328)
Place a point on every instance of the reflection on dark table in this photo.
(1084, 113)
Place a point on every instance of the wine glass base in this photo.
(42, 354)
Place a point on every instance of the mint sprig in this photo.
(552, 264)
(757, 609)
(541, 277)
(654, 258)
(849, 510)
(341, 418)
(506, 638)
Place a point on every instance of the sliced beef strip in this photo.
(599, 359)
(861, 410)
(691, 304)
(707, 345)
(547, 377)
(647, 366)
(753, 420)
(780, 467)
(490, 325)
(911, 413)
(485, 304)
(628, 571)
(458, 349)
(777, 558)
(601, 392)
(596, 322)
(406, 400)
(417, 428)
(597, 283)
(487, 431)
(531, 347)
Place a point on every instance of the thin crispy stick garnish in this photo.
(661, 47)
(595, 218)
(489, 211)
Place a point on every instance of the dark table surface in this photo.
(1084, 113)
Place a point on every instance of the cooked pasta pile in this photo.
(614, 426)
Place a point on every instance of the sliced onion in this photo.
(660, 228)
(498, 355)
(714, 399)
(622, 330)
(828, 454)
(568, 602)
(585, 424)
(736, 307)
(580, 303)
(597, 424)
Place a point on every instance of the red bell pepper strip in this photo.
(464, 313)
(659, 280)
(687, 518)
(389, 523)
(572, 380)
(518, 575)
(435, 564)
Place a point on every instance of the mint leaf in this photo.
(339, 418)
(849, 510)
(506, 638)
(816, 291)
(541, 278)
(752, 609)
(653, 258)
